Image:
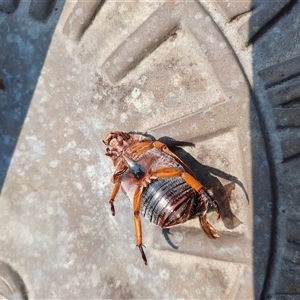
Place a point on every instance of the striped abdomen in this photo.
(168, 202)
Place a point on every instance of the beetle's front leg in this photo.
(116, 179)
(137, 221)
(113, 196)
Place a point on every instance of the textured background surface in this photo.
(222, 75)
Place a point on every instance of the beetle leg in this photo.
(199, 188)
(215, 204)
(207, 228)
(113, 196)
(120, 170)
(205, 197)
(173, 172)
(166, 173)
(161, 146)
(116, 179)
(165, 149)
(137, 221)
(190, 180)
(140, 148)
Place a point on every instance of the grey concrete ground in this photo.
(223, 75)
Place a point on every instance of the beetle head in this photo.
(116, 141)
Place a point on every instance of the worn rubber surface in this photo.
(220, 75)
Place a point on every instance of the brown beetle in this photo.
(161, 186)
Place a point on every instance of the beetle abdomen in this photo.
(168, 202)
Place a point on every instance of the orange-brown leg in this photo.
(116, 180)
(140, 148)
(207, 228)
(173, 172)
(120, 170)
(189, 179)
(137, 221)
(113, 196)
(161, 146)
(197, 186)
(166, 173)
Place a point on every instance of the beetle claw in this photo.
(112, 207)
(143, 254)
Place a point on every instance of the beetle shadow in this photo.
(208, 176)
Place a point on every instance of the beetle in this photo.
(161, 186)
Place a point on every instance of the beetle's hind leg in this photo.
(207, 228)
(205, 198)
